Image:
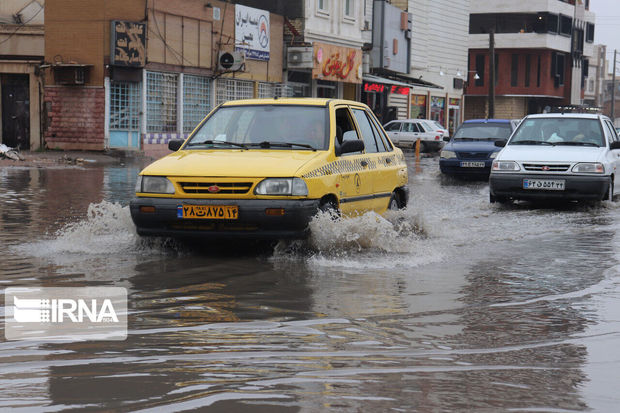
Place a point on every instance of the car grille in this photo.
(545, 168)
(472, 155)
(224, 187)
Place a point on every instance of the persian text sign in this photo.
(66, 314)
(127, 44)
(252, 32)
(336, 63)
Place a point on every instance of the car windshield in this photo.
(483, 131)
(299, 127)
(559, 131)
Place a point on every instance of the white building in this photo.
(597, 73)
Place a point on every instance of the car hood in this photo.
(471, 146)
(556, 153)
(231, 163)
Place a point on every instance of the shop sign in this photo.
(128, 44)
(418, 100)
(336, 63)
(374, 87)
(252, 32)
(437, 102)
(400, 90)
(454, 102)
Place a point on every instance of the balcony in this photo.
(522, 6)
(522, 41)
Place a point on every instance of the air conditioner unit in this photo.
(299, 58)
(71, 74)
(231, 61)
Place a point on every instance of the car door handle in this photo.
(364, 163)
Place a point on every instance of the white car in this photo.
(405, 133)
(437, 127)
(557, 156)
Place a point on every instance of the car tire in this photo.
(422, 146)
(330, 207)
(609, 196)
(394, 204)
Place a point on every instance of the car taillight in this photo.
(437, 137)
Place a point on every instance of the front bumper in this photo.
(453, 166)
(252, 220)
(577, 187)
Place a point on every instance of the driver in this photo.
(549, 133)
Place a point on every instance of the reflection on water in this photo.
(453, 305)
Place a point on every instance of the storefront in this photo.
(388, 99)
(418, 107)
(454, 114)
(438, 109)
(336, 71)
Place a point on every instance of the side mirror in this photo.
(614, 145)
(501, 143)
(175, 144)
(356, 145)
(446, 139)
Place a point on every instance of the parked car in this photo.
(437, 127)
(472, 148)
(263, 168)
(558, 156)
(405, 133)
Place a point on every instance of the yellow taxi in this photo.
(263, 168)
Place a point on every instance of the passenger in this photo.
(549, 133)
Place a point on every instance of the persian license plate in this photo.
(472, 164)
(544, 184)
(207, 211)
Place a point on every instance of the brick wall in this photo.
(75, 118)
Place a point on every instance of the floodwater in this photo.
(452, 305)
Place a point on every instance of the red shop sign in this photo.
(400, 90)
(374, 87)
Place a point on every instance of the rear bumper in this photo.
(577, 187)
(252, 221)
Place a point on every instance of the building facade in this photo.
(130, 73)
(542, 53)
(21, 60)
(594, 83)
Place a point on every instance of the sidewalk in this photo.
(53, 158)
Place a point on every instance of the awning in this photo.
(400, 80)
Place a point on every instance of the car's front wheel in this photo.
(395, 203)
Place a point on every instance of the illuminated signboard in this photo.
(379, 88)
(400, 90)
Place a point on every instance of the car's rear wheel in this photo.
(422, 146)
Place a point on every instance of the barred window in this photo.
(232, 89)
(125, 106)
(161, 102)
(196, 100)
(265, 90)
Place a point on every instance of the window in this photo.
(345, 130)
(349, 8)
(528, 69)
(538, 73)
(196, 100)
(322, 6)
(393, 127)
(366, 130)
(125, 106)
(590, 32)
(514, 71)
(558, 69)
(380, 133)
(566, 25)
(480, 62)
(232, 89)
(161, 102)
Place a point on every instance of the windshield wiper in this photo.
(578, 144)
(210, 142)
(464, 139)
(268, 144)
(531, 142)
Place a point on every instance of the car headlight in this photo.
(505, 166)
(282, 186)
(447, 154)
(589, 168)
(156, 185)
(493, 154)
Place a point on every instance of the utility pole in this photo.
(613, 91)
(492, 74)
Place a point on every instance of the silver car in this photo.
(405, 133)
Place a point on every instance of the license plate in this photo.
(207, 211)
(544, 184)
(472, 164)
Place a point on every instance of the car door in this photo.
(355, 169)
(613, 156)
(393, 130)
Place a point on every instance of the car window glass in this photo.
(483, 131)
(559, 131)
(366, 131)
(344, 124)
(429, 126)
(393, 127)
(379, 129)
(612, 131)
(377, 134)
(423, 127)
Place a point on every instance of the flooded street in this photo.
(452, 305)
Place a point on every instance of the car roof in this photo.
(487, 121)
(566, 115)
(291, 101)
